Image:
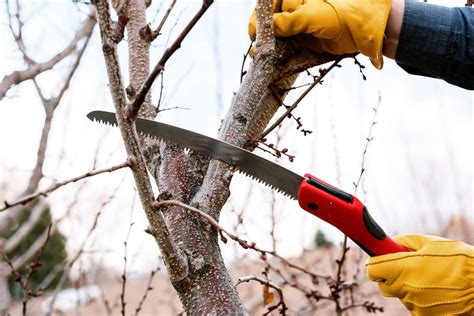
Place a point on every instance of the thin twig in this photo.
(124, 273)
(242, 71)
(134, 107)
(24, 200)
(160, 96)
(336, 288)
(269, 284)
(157, 32)
(294, 284)
(173, 108)
(147, 290)
(301, 97)
(81, 250)
(274, 151)
(33, 267)
(369, 138)
(34, 68)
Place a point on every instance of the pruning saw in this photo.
(334, 206)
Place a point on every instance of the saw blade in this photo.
(251, 165)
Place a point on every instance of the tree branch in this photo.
(301, 97)
(243, 243)
(173, 257)
(269, 284)
(38, 245)
(157, 32)
(134, 107)
(337, 287)
(147, 291)
(265, 41)
(35, 69)
(24, 200)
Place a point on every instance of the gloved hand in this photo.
(436, 278)
(336, 26)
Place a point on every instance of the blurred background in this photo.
(417, 168)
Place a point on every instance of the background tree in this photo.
(320, 240)
(53, 256)
(32, 221)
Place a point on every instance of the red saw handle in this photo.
(347, 213)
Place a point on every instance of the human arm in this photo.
(424, 39)
(394, 26)
(435, 278)
(436, 41)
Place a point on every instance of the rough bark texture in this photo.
(208, 288)
(189, 245)
(173, 259)
(139, 54)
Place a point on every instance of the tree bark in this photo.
(181, 176)
(199, 275)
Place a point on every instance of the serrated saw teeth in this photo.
(255, 167)
(270, 186)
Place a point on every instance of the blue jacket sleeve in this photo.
(438, 42)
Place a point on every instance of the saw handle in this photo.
(348, 214)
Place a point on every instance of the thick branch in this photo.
(37, 173)
(138, 54)
(252, 108)
(265, 40)
(175, 260)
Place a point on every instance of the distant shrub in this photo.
(54, 254)
(320, 240)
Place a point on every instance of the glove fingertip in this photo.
(252, 26)
(286, 24)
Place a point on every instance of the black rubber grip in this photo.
(331, 190)
(372, 226)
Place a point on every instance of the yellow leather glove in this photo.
(436, 278)
(337, 26)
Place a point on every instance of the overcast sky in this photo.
(418, 167)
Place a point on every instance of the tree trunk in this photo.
(208, 287)
(202, 282)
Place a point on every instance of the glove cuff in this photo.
(376, 56)
(365, 22)
(373, 35)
